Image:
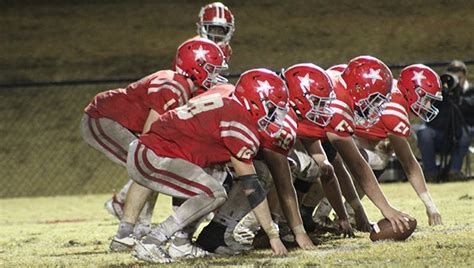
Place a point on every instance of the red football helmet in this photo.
(420, 86)
(369, 81)
(338, 68)
(311, 92)
(212, 17)
(202, 61)
(265, 96)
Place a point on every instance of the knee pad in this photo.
(253, 189)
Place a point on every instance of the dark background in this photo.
(41, 150)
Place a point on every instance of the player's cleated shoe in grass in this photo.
(141, 230)
(151, 253)
(114, 207)
(122, 244)
(186, 251)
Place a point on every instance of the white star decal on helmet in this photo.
(305, 82)
(418, 77)
(374, 75)
(200, 53)
(263, 87)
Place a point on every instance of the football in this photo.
(382, 230)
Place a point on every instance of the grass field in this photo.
(75, 231)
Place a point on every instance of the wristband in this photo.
(272, 230)
(426, 198)
(299, 229)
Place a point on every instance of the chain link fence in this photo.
(41, 148)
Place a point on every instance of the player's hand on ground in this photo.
(362, 222)
(434, 218)
(304, 241)
(398, 219)
(346, 228)
(279, 250)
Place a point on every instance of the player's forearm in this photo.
(417, 181)
(360, 169)
(333, 193)
(347, 186)
(264, 218)
(412, 168)
(371, 187)
(278, 167)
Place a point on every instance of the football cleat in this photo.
(122, 244)
(151, 253)
(243, 234)
(218, 239)
(186, 251)
(141, 230)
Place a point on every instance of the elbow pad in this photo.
(253, 189)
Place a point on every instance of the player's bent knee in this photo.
(220, 194)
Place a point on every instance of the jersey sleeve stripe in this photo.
(396, 106)
(242, 127)
(240, 136)
(342, 104)
(178, 88)
(158, 89)
(174, 83)
(343, 113)
(292, 122)
(397, 114)
(168, 104)
(290, 127)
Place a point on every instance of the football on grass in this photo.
(383, 230)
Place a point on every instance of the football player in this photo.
(116, 117)
(272, 166)
(417, 89)
(361, 90)
(209, 130)
(216, 23)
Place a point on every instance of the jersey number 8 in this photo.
(199, 105)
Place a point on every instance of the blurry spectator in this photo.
(448, 134)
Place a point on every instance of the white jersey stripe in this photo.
(343, 113)
(341, 103)
(293, 131)
(168, 104)
(158, 89)
(397, 114)
(238, 135)
(158, 82)
(291, 121)
(396, 106)
(242, 127)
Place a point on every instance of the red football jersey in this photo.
(342, 121)
(207, 131)
(394, 119)
(160, 91)
(285, 140)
